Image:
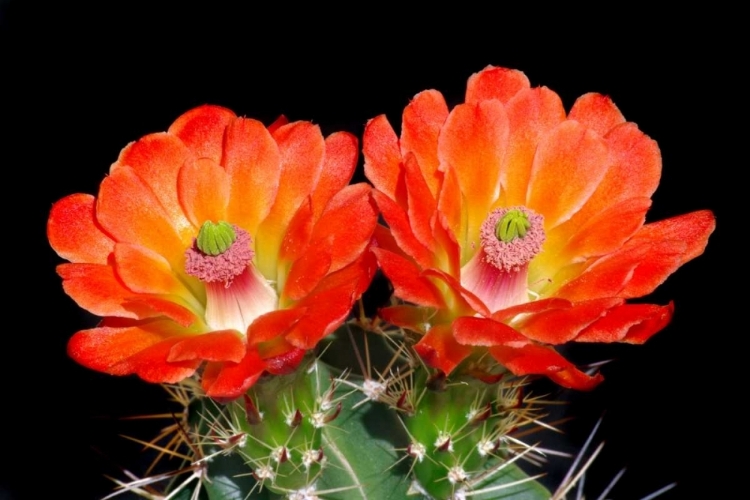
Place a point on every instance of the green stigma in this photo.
(215, 239)
(512, 225)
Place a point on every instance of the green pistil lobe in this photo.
(512, 225)
(215, 239)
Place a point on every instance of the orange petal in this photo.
(421, 204)
(464, 302)
(95, 288)
(530, 308)
(341, 151)
(608, 230)
(203, 188)
(569, 165)
(382, 155)
(129, 211)
(661, 260)
(346, 225)
(273, 324)
(558, 326)
(202, 130)
(170, 307)
(253, 162)
(400, 226)
(286, 362)
(227, 381)
(634, 168)
(473, 143)
(609, 275)
(408, 282)
(450, 204)
(224, 345)
(486, 332)
(440, 350)
(597, 112)
(156, 159)
(422, 120)
(302, 152)
(74, 233)
(298, 233)
(693, 229)
(330, 303)
(495, 83)
(632, 323)
(101, 348)
(278, 122)
(305, 274)
(411, 317)
(532, 114)
(151, 364)
(539, 360)
(145, 271)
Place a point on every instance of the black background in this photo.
(79, 83)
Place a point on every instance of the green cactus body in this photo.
(323, 433)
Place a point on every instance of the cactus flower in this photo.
(220, 243)
(516, 227)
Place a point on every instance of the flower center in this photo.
(510, 238)
(236, 292)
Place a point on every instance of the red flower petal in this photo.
(74, 233)
(539, 360)
(329, 304)
(575, 154)
(495, 83)
(399, 223)
(274, 324)
(95, 288)
(151, 364)
(414, 318)
(597, 112)
(129, 211)
(486, 332)
(422, 120)
(341, 151)
(145, 271)
(101, 348)
(214, 346)
(202, 131)
(201, 204)
(382, 155)
(227, 381)
(632, 323)
(474, 139)
(532, 114)
(531, 307)
(558, 326)
(407, 279)
(253, 162)
(693, 229)
(440, 350)
(156, 159)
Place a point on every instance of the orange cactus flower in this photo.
(515, 227)
(219, 241)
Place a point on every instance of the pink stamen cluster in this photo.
(223, 267)
(513, 255)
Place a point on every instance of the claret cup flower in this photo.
(220, 243)
(516, 227)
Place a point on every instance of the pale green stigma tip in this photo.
(215, 239)
(512, 225)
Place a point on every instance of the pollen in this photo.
(221, 266)
(511, 237)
